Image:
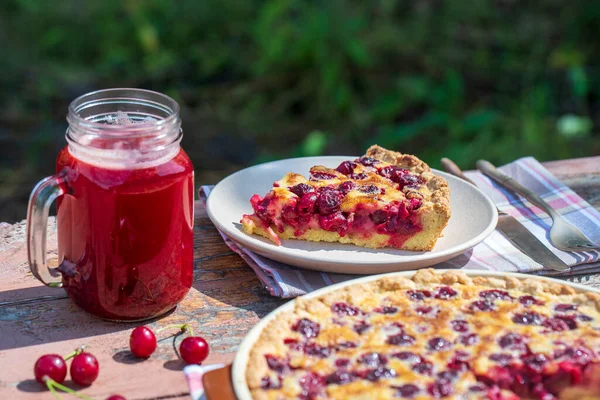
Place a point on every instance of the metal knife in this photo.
(515, 232)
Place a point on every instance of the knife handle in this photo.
(452, 168)
(488, 169)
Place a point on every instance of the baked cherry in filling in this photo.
(510, 346)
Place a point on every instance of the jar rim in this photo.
(143, 97)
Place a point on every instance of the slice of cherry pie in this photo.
(432, 335)
(383, 199)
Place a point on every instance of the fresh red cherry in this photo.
(193, 349)
(116, 397)
(142, 342)
(84, 369)
(52, 366)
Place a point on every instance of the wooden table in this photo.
(225, 301)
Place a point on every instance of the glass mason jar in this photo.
(125, 212)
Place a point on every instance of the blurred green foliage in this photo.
(260, 80)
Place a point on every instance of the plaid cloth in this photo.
(495, 253)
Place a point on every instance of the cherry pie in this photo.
(432, 335)
(383, 199)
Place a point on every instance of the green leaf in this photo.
(415, 87)
(357, 52)
(148, 37)
(574, 126)
(579, 81)
(330, 75)
(343, 97)
(387, 107)
(449, 95)
(479, 119)
(532, 129)
(564, 57)
(314, 144)
(391, 137)
(273, 33)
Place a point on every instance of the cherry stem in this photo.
(183, 328)
(52, 390)
(53, 385)
(77, 351)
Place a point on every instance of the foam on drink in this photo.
(127, 153)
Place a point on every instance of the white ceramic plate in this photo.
(473, 218)
(238, 372)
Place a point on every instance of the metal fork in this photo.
(563, 235)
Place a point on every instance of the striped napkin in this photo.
(495, 253)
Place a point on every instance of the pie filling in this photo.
(319, 204)
(515, 381)
(527, 375)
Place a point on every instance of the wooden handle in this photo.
(452, 168)
(218, 385)
(490, 170)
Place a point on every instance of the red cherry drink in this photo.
(126, 235)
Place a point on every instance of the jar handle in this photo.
(42, 196)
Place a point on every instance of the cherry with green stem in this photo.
(193, 349)
(50, 366)
(142, 341)
(84, 369)
(53, 366)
